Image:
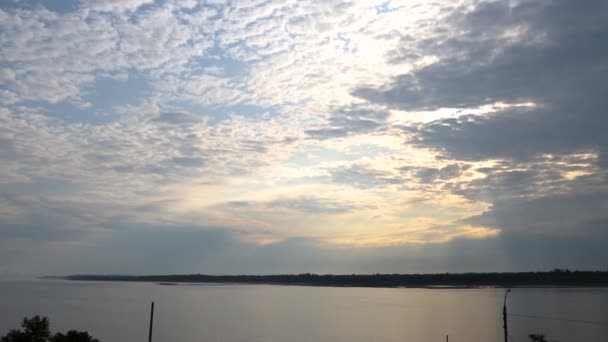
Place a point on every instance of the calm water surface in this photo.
(118, 312)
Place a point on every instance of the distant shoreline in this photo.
(554, 279)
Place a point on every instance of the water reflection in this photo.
(120, 312)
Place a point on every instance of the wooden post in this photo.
(504, 322)
(447, 339)
(151, 322)
(504, 316)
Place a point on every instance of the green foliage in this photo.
(36, 329)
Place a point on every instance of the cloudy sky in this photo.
(254, 136)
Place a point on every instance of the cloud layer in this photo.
(337, 136)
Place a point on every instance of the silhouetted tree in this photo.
(36, 329)
(538, 338)
(74, 336)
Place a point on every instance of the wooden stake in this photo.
(151, 322)
(504, 323)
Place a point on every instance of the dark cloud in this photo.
(540, 199)
(515, 134)
(560, 51)
(349, 121)
(430, 175)
(566, 215)
(539, 178)
(560, 62)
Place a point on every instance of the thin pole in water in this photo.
(447, 339)
(504, 316)
(151, 321)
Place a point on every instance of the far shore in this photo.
(552, 279)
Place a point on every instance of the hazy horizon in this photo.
(267, 137)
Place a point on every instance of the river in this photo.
(119, 312)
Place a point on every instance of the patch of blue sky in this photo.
(60, 6)
(385, 7)
(65, 111)
(214, 63)
(345, 40)
(103, 95)
(219, 113)
(42, 186)
(108, 92)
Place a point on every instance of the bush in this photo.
(36, 329)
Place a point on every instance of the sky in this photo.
(254, 136)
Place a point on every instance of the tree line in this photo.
(556, 277)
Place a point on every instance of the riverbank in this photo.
(558, 278)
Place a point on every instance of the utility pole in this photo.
(151, 321)
(504, 315)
